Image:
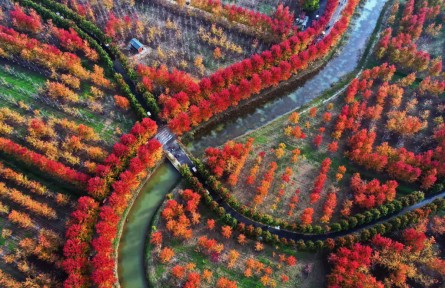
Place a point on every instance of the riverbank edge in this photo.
(271, 93)
(122, 221)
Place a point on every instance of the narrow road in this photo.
(171, 146)
(291, 235)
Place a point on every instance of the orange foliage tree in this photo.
(166, 254)
(229, 160)
(121, 102)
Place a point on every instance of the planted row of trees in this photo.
(22, 21)
(266, 70)
(71, 40)
(42, 163)
(227, 87)
(23, 181)
(14, 43)
(110, 214)
(280, 23)
(127, 146)
(27, 202)
(76, 250)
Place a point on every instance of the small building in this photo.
(135, 44)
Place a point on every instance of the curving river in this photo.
(131, 268)
(344, 63)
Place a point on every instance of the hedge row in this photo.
(351, 222)
(80, 20)
(397, 223)
(365, 234)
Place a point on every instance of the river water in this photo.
(345, 62)
(131, 268)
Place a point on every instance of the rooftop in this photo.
(135, 43)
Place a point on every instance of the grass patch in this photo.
(19, 84)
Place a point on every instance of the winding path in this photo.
(291, 235)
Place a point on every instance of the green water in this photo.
(131, 248)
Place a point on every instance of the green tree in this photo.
(311, 5)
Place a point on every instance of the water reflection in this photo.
(131, 246)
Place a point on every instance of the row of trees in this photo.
(329, 206)
(27, 202)
(23, 181)
(22, 219)
(123, 150)
(218, 39)
(70, 40)
(265, 184)
(22, 21)
(42, 163)
(278, 65)
(77, 248)
(255, 169)
(280, 23)
(147, 156)
(320, 180)
(230, 85)
(48, 56)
